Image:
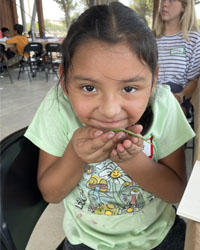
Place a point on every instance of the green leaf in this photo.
(129, 132)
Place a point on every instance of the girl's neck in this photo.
(171, 28)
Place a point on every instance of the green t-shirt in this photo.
(108, 210)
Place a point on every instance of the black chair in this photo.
(53, 58)
(35, 61)
(21, 201)
(3, 62)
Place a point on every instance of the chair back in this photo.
(53, 47)
(53, 58)
(3, 61)
(36, 47)
(2, 52)
(21, 201)
(2, 48)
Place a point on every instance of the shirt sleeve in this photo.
(50, 129)
(11, 40)
(193, 59)
(173, 129)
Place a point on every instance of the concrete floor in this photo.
(18, 103)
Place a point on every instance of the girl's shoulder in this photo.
(170, 37)
(58, 105)
(163, 103)
(194, 36)
(194, 33)
(168, 119)
(161, 93)
(56, 100)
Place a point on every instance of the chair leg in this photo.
(46, 73)
(20, 69)
(10, 76)
(29, 76)
(19, 72)
(6, 67)
(55, 71)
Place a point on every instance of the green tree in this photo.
(198, 22)
(144, 8)
(71, 9)
(54, 27)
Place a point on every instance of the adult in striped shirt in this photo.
(178, 42)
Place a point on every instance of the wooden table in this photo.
(192, 240)
(12, 45)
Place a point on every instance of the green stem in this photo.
(129, 132)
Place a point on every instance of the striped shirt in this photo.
(179, 60)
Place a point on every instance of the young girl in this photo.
(178, 43)
(117, 189)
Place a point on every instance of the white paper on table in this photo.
(189, 206)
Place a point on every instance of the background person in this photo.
(5, 33)
(20, 41)
(178, 43)
(106, 179)
(30, 39)
(9, 53)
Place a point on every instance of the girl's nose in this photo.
(110, 106)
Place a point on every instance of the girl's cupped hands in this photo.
(94, 145)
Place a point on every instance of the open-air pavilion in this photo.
(19, 102)
(9, 15)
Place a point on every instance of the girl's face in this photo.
(171, 10)
(108, 86)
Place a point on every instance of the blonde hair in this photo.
(188, 20)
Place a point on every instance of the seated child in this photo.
(21, 41)
(118, 190)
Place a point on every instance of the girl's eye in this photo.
(89, 88)
(129, 89)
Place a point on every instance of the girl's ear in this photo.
(62, 83)
(155, 79)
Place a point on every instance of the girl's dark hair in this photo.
(111, 24)
(19, 28)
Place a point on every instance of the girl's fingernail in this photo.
(121, 150)
(114, 152)
(128, 144)
(120, 136)
(110, 135)
(135, 140)
(98, 133)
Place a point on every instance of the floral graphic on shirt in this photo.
(114, 173)
(107, 209)
(106, 189)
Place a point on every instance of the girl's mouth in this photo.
(164, 12)
(101, 124)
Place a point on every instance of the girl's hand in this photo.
(179, 97)
(129, 148)
(93, 145)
